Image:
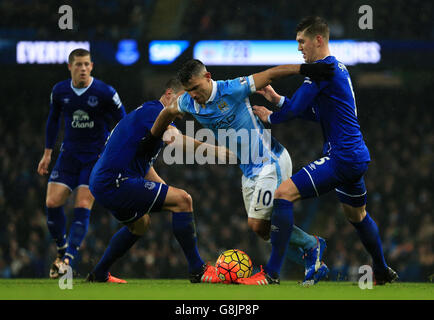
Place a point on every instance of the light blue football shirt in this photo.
(229, 115)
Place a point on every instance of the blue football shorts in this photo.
(73, 169)
(130, 197)
(326, 174)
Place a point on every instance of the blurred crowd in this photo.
(396, 123)
(95, 20)
(202, 19)
(277, 19)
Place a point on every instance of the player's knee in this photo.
(140, 226)
(354, 214)
(83, 203)
(185, 202)
(282, 193)
(287, 191)
(53, 202)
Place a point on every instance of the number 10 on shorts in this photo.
(266, 197)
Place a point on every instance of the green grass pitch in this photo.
(182, 289)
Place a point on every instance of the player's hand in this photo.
(43, 165)
(269, 94)
(262, 113)
(317, 71)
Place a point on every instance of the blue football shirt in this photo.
(120, 153)
(89, 114)
(332, 104)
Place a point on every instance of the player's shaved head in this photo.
(190, 69)
(77, 53)
(313, 26)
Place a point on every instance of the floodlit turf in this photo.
(145, 289)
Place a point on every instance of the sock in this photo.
(302, 239)
(295, 254)
(368, 232)
(77, 231)
(56, 222)
(281, 228)
(119, 244)
(184, 230)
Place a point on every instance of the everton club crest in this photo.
(92, 101)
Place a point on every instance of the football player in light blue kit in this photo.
(346, 157)
(224, 108)
(90, 109)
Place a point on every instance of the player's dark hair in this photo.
(173, 84)
(314, 25)
(189, 69)
(77, 53)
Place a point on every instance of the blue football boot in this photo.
(315, 269)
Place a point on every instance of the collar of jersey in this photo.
(80, 91)
(213, 92)
(323, 59)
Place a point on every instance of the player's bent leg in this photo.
(287, 191)
(354, 214)
(57, 194)
(137, 229)
(80, 223)
(184, 229)
(178, 200)
(315, 269)
(369, 235)
(84, 198)
(260, 226)
(119, 244)
(140, 226)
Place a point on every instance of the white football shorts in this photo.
(258, 192)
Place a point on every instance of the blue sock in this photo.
(295, 254)
(185, 232)
(368, 232)
(281, 228)
(77, 231)
(56, 222)
(119, 244)
(302, 239)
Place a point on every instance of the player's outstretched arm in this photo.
(164, 119)
(222, 154)
(153, 137)
(316, 71)
(269, 94)
(262, 112)
(176, 139)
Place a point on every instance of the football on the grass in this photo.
(232, 265)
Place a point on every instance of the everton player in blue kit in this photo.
(224, 108)
(125, 182)
(90, 109)
(346, 157)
